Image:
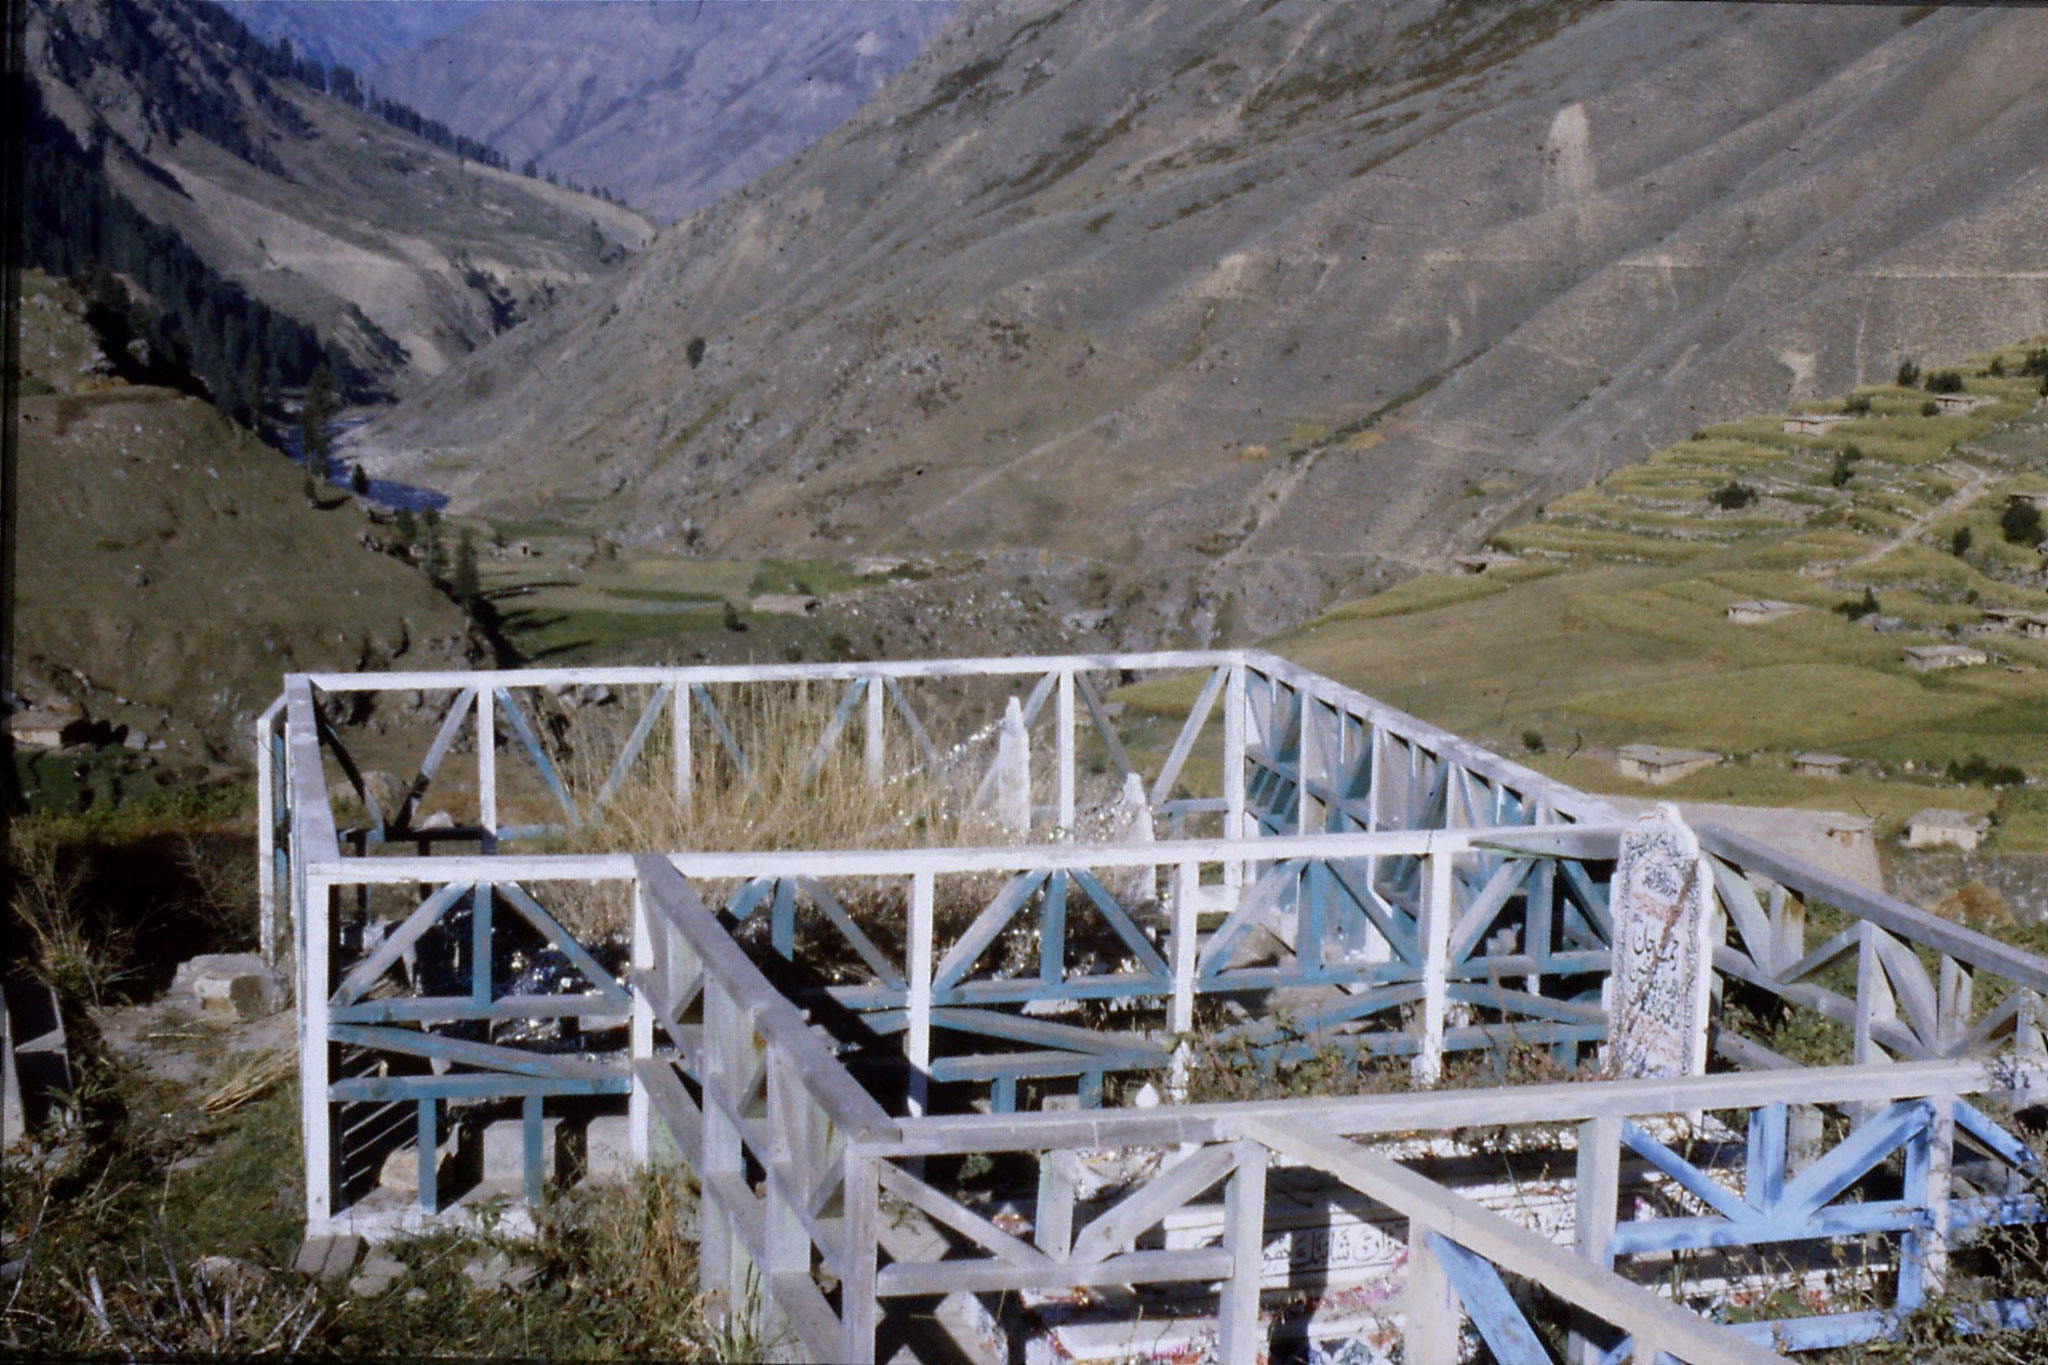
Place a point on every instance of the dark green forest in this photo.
(199, 331)
(196, 330)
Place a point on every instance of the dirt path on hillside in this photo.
(1974, 480)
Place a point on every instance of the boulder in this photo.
(232, 985)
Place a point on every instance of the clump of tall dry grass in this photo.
(783, 800)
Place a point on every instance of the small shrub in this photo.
(1984, 773)
(1959, 543)
(1732, 495)
(1532, 740)
(2021, 524)
(694, 351)
(1843, 471)
(1944, 381)
(1859, 403)
(358, 481)
(1929, 408)
(2036, 362)
(1909, 374)
(1859, 608)
(732, 617)
(1996, 369)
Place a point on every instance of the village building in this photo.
(1933, 828)
(38, 729)
(1658, 765)
(2017, 621)
(1816, 423)
(1953, 403)
(784, 604)
(1763, 609)
(1820, 765)
(2036, 500)
(1482, 561)
(1928, 658)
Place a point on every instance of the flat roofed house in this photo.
(2037, 501)
(1936, 828)
(1962, 402)
(1815, 423)
(1658, 765)
(1820, 765)
(1927, 658)
(2006, 618)
(1482, 561)
(1763, 609)
(38, 729)
(784, 604)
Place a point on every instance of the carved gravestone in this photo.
(1131, 823)
(1657, 992)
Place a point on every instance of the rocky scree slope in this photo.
(1252, 304)
(400, 253)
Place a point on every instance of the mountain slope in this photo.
(669, 105)
(1253, 303)
(398, 252)
(169, 570)
(361, 34)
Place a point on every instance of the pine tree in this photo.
(463, 584)
(318, 411)
(436, 563)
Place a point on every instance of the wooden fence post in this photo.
(1064, 740)
(1430, 1315)
(640, 1044)
(1436, 937)
(860, 1312)
(679, 748)
(917, 1039)
(487, 764)
(722, 1261)
(1244, 1236)
(316, 1115)
(1598, 1189)
(266, 840)
(1235, 700)
(873, 738)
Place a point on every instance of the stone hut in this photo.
(784, 604)
(1928, 658)
(1815, 423)
(2037, 501)
(1935, 828)
(1952, 403)
(1820, 765)
(38, 729)
(1658, 765)
(1475, 564)
(1763, 609)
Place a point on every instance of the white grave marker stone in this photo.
(1013, 771)
(1657, 994)
(1131, 823)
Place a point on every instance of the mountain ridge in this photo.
(401, 254)
(1301, 318)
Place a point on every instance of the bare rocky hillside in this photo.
(1248, 304)
(402, 253)
(667, 105)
